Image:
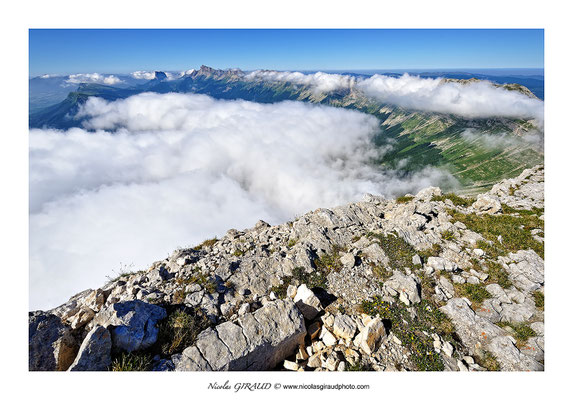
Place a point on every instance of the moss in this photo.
(473, 291)
(410, 327)
(404, 199)
(539, 298)
(206, 243)
(456, 200)
(135, 361)
(515, 231)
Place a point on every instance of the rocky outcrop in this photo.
(376, 284)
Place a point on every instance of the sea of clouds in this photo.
(156, 171)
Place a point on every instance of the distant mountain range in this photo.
(478, 152)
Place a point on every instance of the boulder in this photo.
(95, 351)
(307, 302)
(406, 286)
(259, 341)
(370, 336)
(132, 324)
(487, 203)
(344, 326)
(51, 344)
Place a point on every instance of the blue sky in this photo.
(124, 51)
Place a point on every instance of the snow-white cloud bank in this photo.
(153, 172)
(94, 78)
(479, 99)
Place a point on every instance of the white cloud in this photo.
(162, 171)
(319, 81)
(473, 100)
(148, 75)
(93, 78)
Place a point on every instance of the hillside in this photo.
(426, 282)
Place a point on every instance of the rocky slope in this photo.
(424, 282)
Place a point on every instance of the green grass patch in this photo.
(447, 235)
(291, 243)
(330, 262)
(281, 290)
(200, 278)
(473, 291)
(312, 280)
(433, 251)
(410, 328)
(515, 231)
(487, 361)
(457, 200)
(539, 298)
(522, 331)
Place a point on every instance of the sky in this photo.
(56, 51)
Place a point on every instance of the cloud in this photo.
(504, 140)
(93, 78)
(143, 75)
(472, 100)
(156, 171)
(319, 81)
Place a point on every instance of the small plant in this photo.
(135, 361)
(398, 251)
(291, 243)
(312, 280)
(328, 263)
(498, 274)
(539, 298)
(433, 251)
(125, 271)
(206, 243)
(238, 253)
(359, 367)
(281, 290)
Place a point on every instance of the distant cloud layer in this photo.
(473, 100)
(94, 78)
(160, 171)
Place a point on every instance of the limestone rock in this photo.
(52, 347)
(95, 351)
(344, 326)
(307, 302)
(370, 336)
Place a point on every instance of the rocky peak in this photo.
(365, 285)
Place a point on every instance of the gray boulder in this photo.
(259, 341)
(132, 323)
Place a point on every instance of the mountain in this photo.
(477, 152)
(427, 282)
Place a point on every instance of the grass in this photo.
(123, 273)
(359, 367)
(457, 200)
(291, 243)
(521, 332)
(539, 298)
(473, 291)
(413, 329)
(179, 331)
(404, 199)
(398, 251)
(206, 243)
(135, 361)
(515, 231)
(238, 253)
